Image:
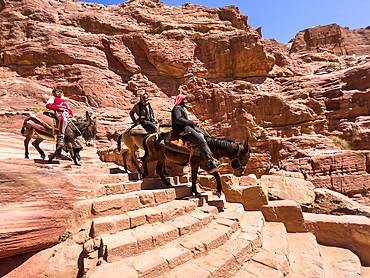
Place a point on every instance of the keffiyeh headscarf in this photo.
(179, 99)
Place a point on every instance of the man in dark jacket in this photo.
(184, 127)
(144, 111)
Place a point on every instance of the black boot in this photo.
(212, 167)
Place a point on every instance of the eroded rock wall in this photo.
(293, 101)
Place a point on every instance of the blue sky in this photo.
(283, 19)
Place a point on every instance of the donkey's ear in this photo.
(246, 143)
(88, 116)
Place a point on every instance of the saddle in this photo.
(176, 143)
(139, 130)
(44, 121)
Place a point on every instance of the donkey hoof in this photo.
(218, 194)
(43, 157)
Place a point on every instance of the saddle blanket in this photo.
(179, 144)
(43, 121)
(37, 125)
(45, 118)
(138, 130)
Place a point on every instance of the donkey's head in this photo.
(240, 158)
(90, 129)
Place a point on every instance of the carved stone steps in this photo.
(203, 249)
(340, 262)
(272, 259)
(275, 250)
(140, 217)
(305, 256)
(85, 211)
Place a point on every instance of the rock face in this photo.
(304, 105)
(37, 207)
(341, 41)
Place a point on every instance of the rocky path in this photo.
(116, 227)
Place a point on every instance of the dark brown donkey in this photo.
(238, 153)
(85, 127)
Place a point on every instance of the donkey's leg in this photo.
(72, 152)
(135, 161)
(194, 174)
(144, 160)
(134, 158)
(164, 170)
(26, 142)
(51, 157)
(28, 131)
(159, 169)
(219, 185)
(124, 159)
(36, 144)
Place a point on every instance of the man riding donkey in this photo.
(62, 112)
(143, 109)
(184, 127)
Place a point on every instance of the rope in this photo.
(76, 127)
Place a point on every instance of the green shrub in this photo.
(341, 143)
(332, 65)
(39, 109)
(65, 236)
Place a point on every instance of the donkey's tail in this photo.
(24, 125)
(119, 142)
(145, 143)
(145, 146)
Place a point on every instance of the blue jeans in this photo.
(198, 139)
(148, 126)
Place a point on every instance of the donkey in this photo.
(85, 127)
(238, 153)
(134, 143)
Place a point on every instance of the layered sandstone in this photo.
(300, 104)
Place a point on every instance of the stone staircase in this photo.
(127, 228)
(168, 237)
(160, 236)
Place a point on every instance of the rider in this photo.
(144, 111)
(184, 127)
(62, 112)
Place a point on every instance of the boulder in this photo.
(249, 193)
(330, 202)
(286, 188)
(58, 261)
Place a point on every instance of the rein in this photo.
(76, 127)
(237, 158)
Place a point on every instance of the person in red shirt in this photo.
(62, 112)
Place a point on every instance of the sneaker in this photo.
(60, 140)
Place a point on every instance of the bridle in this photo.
(82, 131)
(237, 158)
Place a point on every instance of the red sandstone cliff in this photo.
(293, 100)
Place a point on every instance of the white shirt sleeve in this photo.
(51, 100)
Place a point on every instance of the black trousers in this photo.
(148, 126)
(198, 139)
